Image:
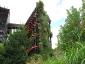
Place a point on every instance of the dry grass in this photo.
(35, 59)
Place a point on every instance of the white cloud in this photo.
(57, 8)
(20, 10)
(54, 39)
(4, 3)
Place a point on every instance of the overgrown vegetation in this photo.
(15, 50)
(71, 39)
(71, 42)
(44, 30)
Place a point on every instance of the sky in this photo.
(20, 10)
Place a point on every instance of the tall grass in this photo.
(75, 55)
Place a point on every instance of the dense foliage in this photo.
(73, 30)
(15, 48)
(43, 29)
(71, 41)
(70, 32)
(72, 37)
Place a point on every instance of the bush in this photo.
(15, 48)
(35, 59)
(2, 49)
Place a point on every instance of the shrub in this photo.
(15, 48)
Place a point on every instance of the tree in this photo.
(82, 34)
(15, 48)
(74, 29)
(69, 33)
(43, 29)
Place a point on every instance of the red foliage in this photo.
(32, 48)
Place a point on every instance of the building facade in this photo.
(34, 29)
(4, 14)
(5, 26)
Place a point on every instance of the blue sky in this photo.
(58, 23)
(20, 11)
